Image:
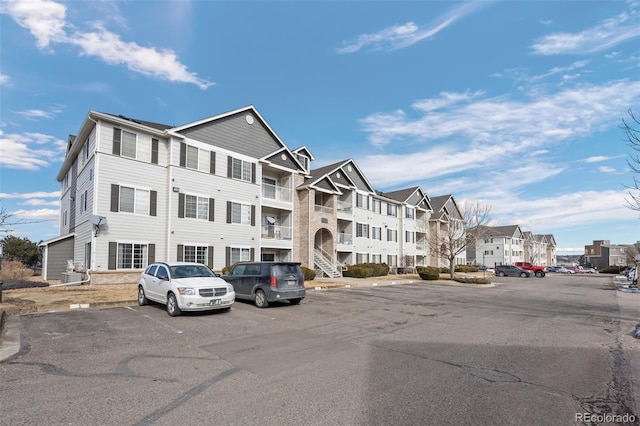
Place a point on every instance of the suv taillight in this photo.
(274, 282)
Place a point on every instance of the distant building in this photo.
(601, 253)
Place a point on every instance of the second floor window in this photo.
(196, 207)
(241, 170)
(362, 201)
(241, 213)
(392, 210)
(376, 233)
(128, 148)
(409, 213)
(362, 230)
(133, 200)
(392, 235)
(376, 206)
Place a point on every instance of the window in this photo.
(392, 259)
(83, 201)
(64, 218)
(196, 207)
(196, 254)
(133, 200)
(128, 148)
(376, 258)
(241, 213)
(241, 170)
(409, 237)
(392, 235)
(362, 257)
(488, 252)
(362, 230)
(65, 183)
(376, 206)
(240, 255)
(132, 256)
(362, 201)
(409, 212)
(392, 210)
(303, 160)
(376, 233)
(192, 157)
(85, 151)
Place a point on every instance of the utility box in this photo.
(71, 277)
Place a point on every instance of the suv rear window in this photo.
(286, 269)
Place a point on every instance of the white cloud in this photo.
(401, 36)
(18, 151)
(38, 202)
(605, 169)
(596, 159)
(29, 195)
(529, 123)
(39, 214)
(45, 19)
(5, 80)
(601, 37)
(33, 114)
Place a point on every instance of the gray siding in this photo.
(58, 254)
(288, 162)
(235, 134)
(342, 180)
(357, 179)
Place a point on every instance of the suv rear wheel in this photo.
(294, 301)
(261, 299)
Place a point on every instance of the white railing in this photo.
(324, 209)
(276, 232)
(345, 206)
(344, 238)
(275, 192)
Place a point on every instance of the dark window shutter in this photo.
(212, 206)
(181, 205)
(180, 254)
(151, 255)
(210, 256)
(252, 255)
(227, 256)
(212, 163)
(113, 254)
(228, 211)
(253, 172)
(183, 155)
(153, 204)
(117, 137)
(115, 198)
(154, 151)
(253, 215)
(229, 166)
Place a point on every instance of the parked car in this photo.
(265, 282)
(512, 271)
(589, 271)
(184, 286)
(564, 270)
(553, 268)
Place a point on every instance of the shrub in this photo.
(611, 270)
(14, 270)
(472, 280)
(364, 270)
(309, 274)
(429, 273)
(466, 268)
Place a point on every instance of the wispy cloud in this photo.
(46, 20)
(29, 195)
(401, 36)
(4, 80)
(603, 36)
(30, 151)
(596, 159)
(35, 114)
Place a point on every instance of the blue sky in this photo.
(517, 105)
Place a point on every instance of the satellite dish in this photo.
(97, 220)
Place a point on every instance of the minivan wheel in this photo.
(172, 305)
(261, 299)
(294, 301)
(142, 299)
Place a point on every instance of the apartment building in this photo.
(447, 232)
(216, 191)
(497, 245)
(221, 190)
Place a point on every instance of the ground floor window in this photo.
(240, 255)
(376, 258)
(362, 258)
(196, 254)
(268, 257)
(392, 259)
(132, 256)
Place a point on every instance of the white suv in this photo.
(184, 286)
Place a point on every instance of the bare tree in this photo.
(8, 220)
(631, 128)
(454, 233)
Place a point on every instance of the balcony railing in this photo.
(345, 206)
(324, 209)
(275, 192)
(276, 232)
(344, 238)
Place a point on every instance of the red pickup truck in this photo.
(540, 271)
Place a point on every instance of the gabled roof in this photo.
(444, 206)
(349, 171)
(405, 196)
(304, 151)
(511, 231)
(550, 239)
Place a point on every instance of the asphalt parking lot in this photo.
(527, 351)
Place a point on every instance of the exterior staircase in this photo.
(325, 265)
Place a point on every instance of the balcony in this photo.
(345, 207)
(344, 238)
(277, 192)
(324, 209)
(275, 232)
